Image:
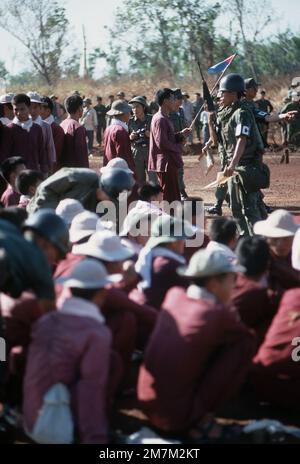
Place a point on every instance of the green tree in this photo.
(41, 26)
(3, 70)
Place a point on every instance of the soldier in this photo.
(179, 122)
(292, 133)
(197, 104)
(139, 133)
(266, 106)
(101, 113)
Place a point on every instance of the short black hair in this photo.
(99, 98)
(9, 165)
(84, 293)
(163, 94)
(14, 215)
(253, 253)
(222, 230)
(21, 98)
(73, 103)
(27, 179)
(47, 103)
(148, 190)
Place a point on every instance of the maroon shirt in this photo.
(75, 152)
(29, 145)
(10, 197)
(197, 356)
(117, 144)
(163, 147)
(58, 137)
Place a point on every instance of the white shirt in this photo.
(89, 119)
(225, 250)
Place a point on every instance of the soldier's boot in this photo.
(216, 210)
(287, 156)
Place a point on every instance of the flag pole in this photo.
(211, 91)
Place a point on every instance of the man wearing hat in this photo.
(204, 359)
(139, 133)
(73, 346)
(101, 113)
(111, 99)
(121, 96)
(90, 121)
(35, 111)
(6, 109)
(116, 137)
(279, 230)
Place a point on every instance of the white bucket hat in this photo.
(104, 245)
(89, 274)
(279, 224)
(68, 208)
(206, 263)
(84, 225)
(116, 163)
(34, 97)
(296, 251)
(6, 98)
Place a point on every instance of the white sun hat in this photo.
(84, 225)
(116, 163)
(279, 224)
(68, 208)
(105, 245)
(89, 274)
(34, 97)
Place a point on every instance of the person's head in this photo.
(253, 253)
(21, 106)
(262, 94)
(111, 98)
(68, 209)
(232, 88)
(166, 100)
(185, 96)
(28, 181)
(47, 107)
(49, 232)
(139, 106)
(150, 192)
(87, 102)
(224, 230)
(35, 104)
(11, 168)
(88, 281)
(14, 215)
(99, 100)
(121, 95)
(6, 106)
(74, 106)
(178, 98)
(279, 229)
(115, 181)
(251, 87)
(121, 110)
(213, 271)
(198, 96)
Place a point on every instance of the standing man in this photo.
(111, 99)
(116, 137)
(166, 148)
(6, 109)
(57, 132)
(292, 133)
(101, 113)
(188, 110)
(139, 134)
(90, 121)
(179, 123)
(197, 104)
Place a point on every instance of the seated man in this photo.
(251, 297)
(223, 235)
(199, 353)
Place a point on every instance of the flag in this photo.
(219, 67)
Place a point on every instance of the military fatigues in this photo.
(101, 113)
(233, 122)
(264, 106)
(140, 148)
(293, 127)
(179, 123)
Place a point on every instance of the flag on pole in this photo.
(219, 67)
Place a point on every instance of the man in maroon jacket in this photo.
(116, 137)
(199, 353)
(75, 152)
(165, 147)
(57, 131)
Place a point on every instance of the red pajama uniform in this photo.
(165, 156)
(282, 276)
(197, 357)
(29, 145)
(75, 152)
(255, 304)
(10, 197)
(117, 144)
(276, 376)
(58, 137)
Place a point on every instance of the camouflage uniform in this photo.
(140, 148)
(232, 122)
(179, 123)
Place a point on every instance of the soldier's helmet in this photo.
(116, 180)
(50, 226)
(232, 83)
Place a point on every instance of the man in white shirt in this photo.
(90, 121)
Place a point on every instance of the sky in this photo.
(96, 14)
